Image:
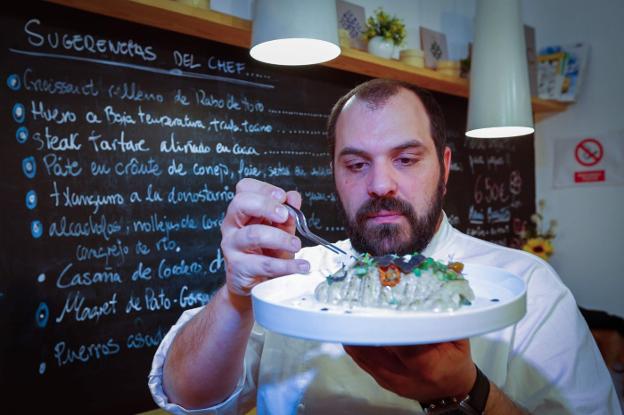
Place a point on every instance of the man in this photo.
(391, 165)
(608, 332)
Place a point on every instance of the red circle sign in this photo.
(588, 152)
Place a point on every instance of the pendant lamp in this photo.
(287, 32)
(500, 98)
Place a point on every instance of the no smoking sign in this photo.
(595, 159)
(588, 152)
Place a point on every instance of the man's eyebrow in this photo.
(353, 151)
(409, 144)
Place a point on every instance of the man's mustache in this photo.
(375, 205)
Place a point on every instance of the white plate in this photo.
(287, 306)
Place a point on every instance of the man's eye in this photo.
(356, 166)
(405, 161)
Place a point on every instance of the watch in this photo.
(472, 404)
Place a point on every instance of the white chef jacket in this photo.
(548, 362)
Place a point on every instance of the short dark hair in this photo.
(376, 92)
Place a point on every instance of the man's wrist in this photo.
(472, 404)
(241, 303)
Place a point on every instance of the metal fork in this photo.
(302, 227)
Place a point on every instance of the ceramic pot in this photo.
(381, 47)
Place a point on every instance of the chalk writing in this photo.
(68, 228)
(163, 224)
(76, 308)
(188, 147)
(140, 340)
(117, 250)
(64, 355)
(117, 144)
(203, 195)
(58, 87)
(68, 278)
(52, 142)
(133, 92)
(39, 111)
(226, 66)
(39, 37)
(167, 121)
(167, 270)
(68, 198)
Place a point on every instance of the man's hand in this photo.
(258, 243)
(422, 372)
(258, 239)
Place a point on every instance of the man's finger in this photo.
(253, 266)
(412, 355)
(263, 188)
(254, 237)
(383, 375)
(428, 354)
(294, 198)
(376, 357)
(247, 206)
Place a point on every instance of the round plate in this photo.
(287, 306)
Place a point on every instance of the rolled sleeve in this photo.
(239, 402)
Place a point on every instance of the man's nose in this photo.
(382, 181)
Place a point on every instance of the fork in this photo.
(302, 226)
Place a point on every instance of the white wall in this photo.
(590, 242)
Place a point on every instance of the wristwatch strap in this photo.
(478, 395)
(473, 404)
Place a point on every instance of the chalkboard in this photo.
(491, 188)
(120, 150)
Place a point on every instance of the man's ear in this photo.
(620, 358)
(447, 163)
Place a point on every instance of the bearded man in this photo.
(391, 165)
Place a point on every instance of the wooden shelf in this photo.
(208, 24)
(361, 62)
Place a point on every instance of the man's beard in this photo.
(392, 238)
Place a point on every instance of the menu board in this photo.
(491, 188)
(121, 149)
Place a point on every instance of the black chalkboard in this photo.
(491, 188)
(120, 149)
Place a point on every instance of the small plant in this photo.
(389, 27)
(537, 240)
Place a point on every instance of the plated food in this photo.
(288, 306)
(410, 282)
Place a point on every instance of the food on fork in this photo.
(411, 282)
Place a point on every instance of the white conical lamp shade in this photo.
(287, 32)
(500, 98)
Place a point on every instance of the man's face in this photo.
(388, 176)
